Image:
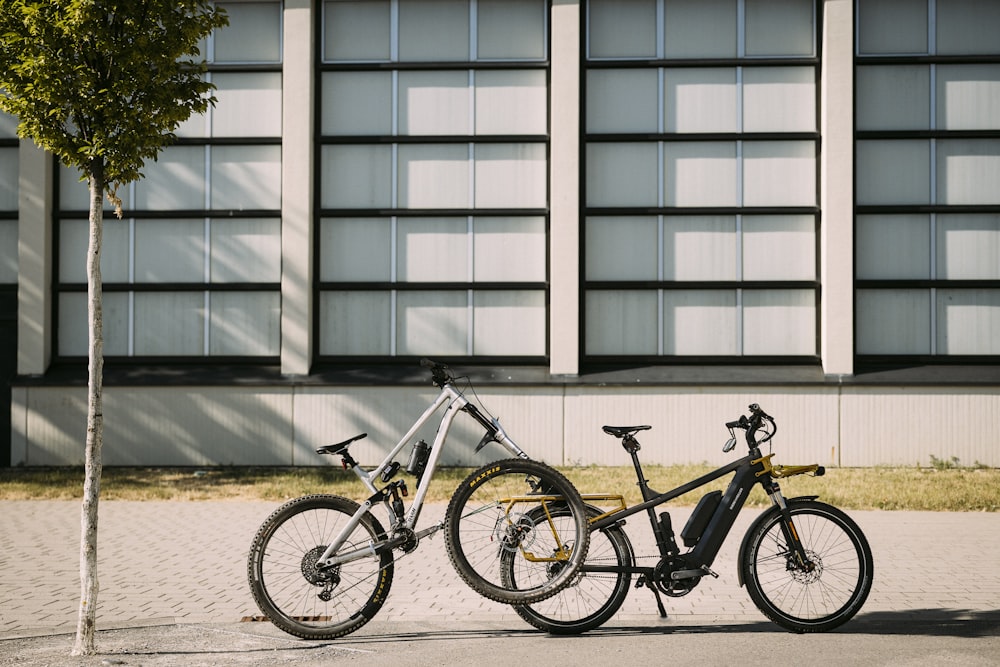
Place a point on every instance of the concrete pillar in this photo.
(564, 197)
(836, 188)
(34, 256)
(297, 189)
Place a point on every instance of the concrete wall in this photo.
(282, 425)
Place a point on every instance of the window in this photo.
(8, 199)
(700, 205)
(195, 268)
(928, 163)
(433, 179)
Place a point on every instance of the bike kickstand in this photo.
(656, 594)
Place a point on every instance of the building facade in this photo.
(604, 211)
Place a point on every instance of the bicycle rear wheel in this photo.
(298, 597)
(827, 594)
(507, 508)
(592, 597)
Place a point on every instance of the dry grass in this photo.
(942, 488)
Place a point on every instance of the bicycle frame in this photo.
(456, 402)
(750, 470)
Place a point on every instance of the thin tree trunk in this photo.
(89, 587)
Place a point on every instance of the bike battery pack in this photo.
(700, 517)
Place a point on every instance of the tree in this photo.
(102, 85)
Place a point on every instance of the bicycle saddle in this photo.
(622, 431)
(340, 447)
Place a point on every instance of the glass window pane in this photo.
(894, 321)
(423, 242)
(779, 247)
(700, 28)
(74, 194)
(73, 240)
(245, 324)
(169, 251)
(355, 323)
(968, 171)
(700, 174)
(621, 28)
(511, 29)
(892, 26)
(73, 323)
(968, 247)
(434, 103)
(246, 177)
(779, 173)
(895, 97)
(621, 322)
(893, 172)
(622, 248)
(893, 247)
(433, 176)
(246, 250)
(779, 322)
(622, 174)
(967, 27)
(779, 27)
(8, 125)
(355, 249)
(357, 103)
(8, 252)
(509, 323)
(699, 322)
(968, 97)
(511, 176)
(356, 30)
(253, 33)
(509, 249)
(699, 247)
(511, 102)
(170, 323)
(8, 179)
(701, 100)
(968, 321)
(356, 176)
(432, 323)
(622, 100)
(249, 104)
(433, 30)
(174, 181)
(779, 99)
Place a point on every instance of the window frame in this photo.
(661, 287)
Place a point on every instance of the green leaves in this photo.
(101, 79)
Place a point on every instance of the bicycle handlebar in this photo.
(752, 424)
(440, 374)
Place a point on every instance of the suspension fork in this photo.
(797, 552)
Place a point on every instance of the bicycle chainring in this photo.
(671, 587)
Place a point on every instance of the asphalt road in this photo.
(875, 639)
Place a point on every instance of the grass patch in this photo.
(939, 488)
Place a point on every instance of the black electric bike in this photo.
(806, 565)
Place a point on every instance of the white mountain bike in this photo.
(321, 566)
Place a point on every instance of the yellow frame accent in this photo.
(562, 553)
(780, 471)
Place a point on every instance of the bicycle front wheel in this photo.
(298, 597)
(594, 596)
(508, 507)
(826, 594)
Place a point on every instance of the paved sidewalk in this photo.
(165, 563)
